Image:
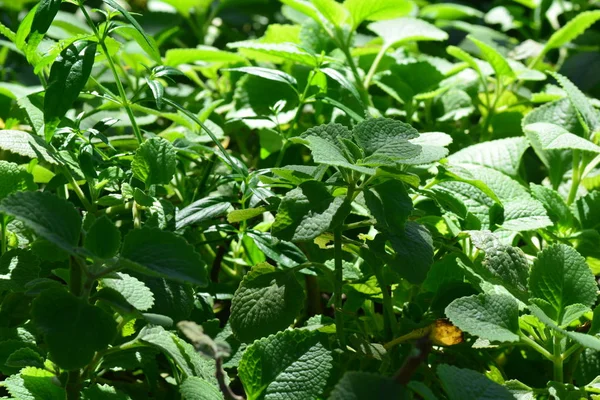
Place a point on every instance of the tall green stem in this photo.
(3, 234)
(338, 284)
(558, 359)
(576, 178)
(389, 318)
(374, 66)
(125, 102)
(73, 385)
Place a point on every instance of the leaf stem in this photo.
(576, 178)
(374, 66)
(111, 64)
(536, 346)
(338, 284)
(389, 317)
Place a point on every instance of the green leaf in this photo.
(376, 10)
(103, 392)
(390, 204)
(403, 30)
(154, 162)
(133, 290)
(327, 152)
(587, 210)
(461, 384)
(386, 141)
(283, 51)
(356, 385)
(588, 115)
(26, 145)
(194, 388)
(308, 211)
(68, 76)
(33, 384)
(73, 329)
(343, 81)
(25, 357)
(572, 29)
(267, 73)
(555, 205)
(332, 11)
(17, 268)
(205, 54)
(158, 91)
(159, 253)
(13, 178)
(50, 217)
(267, 301)
(44, 15)
(503, 155)
(414, 252)
(292, 364)
(201, 210)
(507, 264)
(492, 317)
(149, 42)
(449, 11)
(553, 137)
(103, 238)
(559, 278)
(501, 67)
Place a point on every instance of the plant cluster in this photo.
(299, 199)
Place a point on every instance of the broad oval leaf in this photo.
(154, 162)
(266, 301)
(50, 217)
(402, 30)
(160, 253)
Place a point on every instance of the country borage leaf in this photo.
(554, 137)
(377, 10)
(160, 253)
(560, 278)
(285, 51)
(267, 73)
(492, 317)
(294, 363)
(500, 65)
(266, 301)
(308, 211)
(73, 329)
(14, 178)
(50, 217)
(154, 161)
(401, 30)
(461, 384)
(589, 117)
(133, 290)
(68, 76)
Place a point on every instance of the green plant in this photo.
(299, 199)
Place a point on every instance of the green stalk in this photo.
(389, 317)
(73, 385)
(125, 102)
(3, 234)
(374, 66)
(338, 284)
(575, 180)
(536, 346)
(558, 359)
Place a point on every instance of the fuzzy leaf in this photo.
(461, 384)
(194, 388)
(588, 115)
(402, 30)
(73, 329)
(291, 364)
(376, 10)
(154, 161)
(68, 76)
(503, 155)
(159, 253)
(103, 238)
(501, 67)
(356, 385)
(133, 290)
(553, 137)
(13, 178)
(50, 217)
(26, 145)
(572, 29)
(491, 317)
(414, 252)
(308, 211)
(266, 301)
(559, 278)
(32, 384)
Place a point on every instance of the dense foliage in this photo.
(304, 199)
